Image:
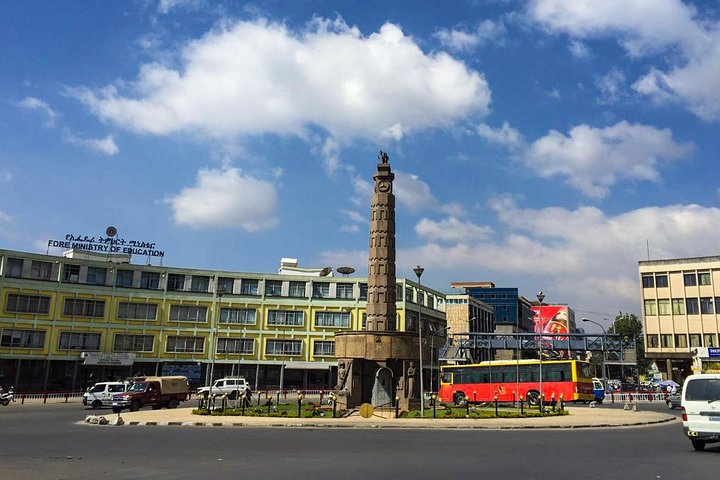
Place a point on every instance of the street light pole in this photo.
(541, 297)
(604, 366)
(418, 272)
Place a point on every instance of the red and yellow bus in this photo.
(511, 379)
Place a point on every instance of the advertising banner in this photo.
(551, 319)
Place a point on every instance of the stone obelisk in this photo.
(378, 365)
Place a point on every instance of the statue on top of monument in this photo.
(383, 157)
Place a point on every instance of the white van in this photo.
(100, 394)
(700, 405)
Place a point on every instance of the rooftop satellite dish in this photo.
(111, 231)
(325, 271)
(345, 270)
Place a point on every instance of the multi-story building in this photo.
(466, 315)
(513, 313)
(67, 321)
(680, 299)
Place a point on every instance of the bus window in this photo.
(446, 377)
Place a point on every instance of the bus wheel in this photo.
(460, 398)
(533, 397)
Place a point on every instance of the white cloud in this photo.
(451, 230)
(4, 217)
(5, 176)
(611, 86)
(593, 159)
(355, 216)
(350, 228)
(165, 6)
(32, 103)
(105, 145)
(466, 41)
(505, 135)
(226, 198)
(578, 50)
(412, 192)
(362, 191)
(692, 44)
(253, 78)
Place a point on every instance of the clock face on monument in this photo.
(383, 186)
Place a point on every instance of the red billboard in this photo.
(551, 319)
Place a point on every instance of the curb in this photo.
(401, 427)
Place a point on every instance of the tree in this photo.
(630, 327)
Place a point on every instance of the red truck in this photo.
(157, 392)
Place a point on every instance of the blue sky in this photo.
(542, 144)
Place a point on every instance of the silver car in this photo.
(673, 399)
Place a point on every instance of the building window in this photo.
(125, 342)
(323, 348)
(681, 340)
(283, 347)
(431, 302)
(18, 303)
(664, 306)
(40, 270)
(14, 267)
(345, 290)
(239, 316)
(273, 288)
(124, 278)
(180, 344)
(188, 313)
(332, 319)
(666, 341)
(286, 317)
(297, 289)
(398, 293)
(648, 281)
(137, 311)
(199, 283)
(706, 305)
(77, 307)
(678, 306)
(364, 320)
(653, 341)
(695, 340)
(704, 278)
(241, 346)
(225, 285)
(661, 281)
(692, 306)
(249, 287)
(79, 341)
(176, 282)
(15, 338)
(690, 279)
(710, 340)
(150, 280)
(363, 291)
(71, 273)
(96, 276)
(321, 290)
(650, 307)
(421, 298)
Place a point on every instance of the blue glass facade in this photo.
(509, 310)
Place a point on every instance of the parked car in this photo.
(674, 399)
(700, 405)
(100, 395)
(157, 392)
(233, 387)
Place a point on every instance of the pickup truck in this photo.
(157, 392)
(233, 387)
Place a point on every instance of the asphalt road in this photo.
(46, 442)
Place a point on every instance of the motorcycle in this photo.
(6, 397)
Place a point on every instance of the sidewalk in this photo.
(578, 417)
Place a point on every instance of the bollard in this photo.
(552, 401)
(22, 399)
(541, 404)
(243, 403)
(66, 397)
(45, 398)
(299, 401)
(269, 404)
(334, 399)
(467, 407)
(562, 402)
(434, 403)
(496, 406)
(397, 407)
(522, 406)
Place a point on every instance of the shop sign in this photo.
(107, 358)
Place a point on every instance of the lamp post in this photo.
(604, 365)
(432, 363)
(418, 272)
(213, 318)
(541, 297)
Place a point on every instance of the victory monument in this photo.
(379, 364)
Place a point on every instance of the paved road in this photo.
(45, 442)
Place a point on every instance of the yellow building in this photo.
(680, 299)
(68, 321)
